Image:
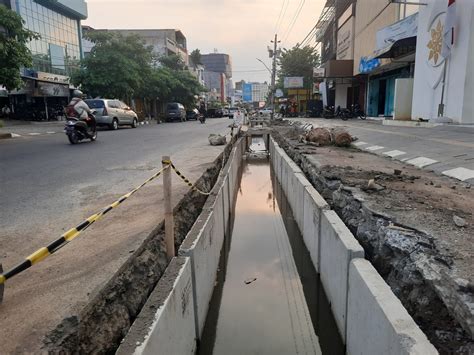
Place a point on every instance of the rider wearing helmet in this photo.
(82, 110)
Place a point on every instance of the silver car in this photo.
(112, 113)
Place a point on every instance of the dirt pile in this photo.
(326, 136)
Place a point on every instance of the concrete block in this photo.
(314, 204)
(166, 323)
(227, 203)
(338, 248)
(377, 322)
(301, 183)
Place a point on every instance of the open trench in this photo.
(268, 298)
(106, 319)
(402, 255)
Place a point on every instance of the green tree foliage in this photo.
(173, 62)
(195, 57)
(298, 62)
(117, 66)
(14, 54)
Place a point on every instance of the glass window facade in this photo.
(58, 50)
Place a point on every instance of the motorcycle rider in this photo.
(81, 110)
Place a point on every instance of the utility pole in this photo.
(274, 67)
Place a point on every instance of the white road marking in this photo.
(374, 147)
(462, 174)
(34, 134)
(50, 132)
(394, 153)
(14, 135)
(421, 162)
(358, 144)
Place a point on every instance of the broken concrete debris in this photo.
(217, 139)
(325, 136)
(458, 221)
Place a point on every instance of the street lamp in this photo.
(271, 87)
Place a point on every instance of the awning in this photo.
(396, 49)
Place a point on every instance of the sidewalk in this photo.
(14, 129)
(445, 149)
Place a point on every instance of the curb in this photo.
(6, 135)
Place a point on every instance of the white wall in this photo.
(341, 95)
(427, 86)
(403, 99)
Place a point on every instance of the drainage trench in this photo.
(267, 298)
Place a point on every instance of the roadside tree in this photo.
(14, 53)
(117, 67)
(298, 61)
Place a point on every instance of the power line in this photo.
(279, 16)
(294, 20)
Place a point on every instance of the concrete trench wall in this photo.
(370, 318)
(173, 318)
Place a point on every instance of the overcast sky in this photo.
(241, 28)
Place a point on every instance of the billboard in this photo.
(293, 82)
(319, 72)
(247, 92)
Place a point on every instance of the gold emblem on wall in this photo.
(436, 43)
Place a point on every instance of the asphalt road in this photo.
(43, 177)
(48, 186)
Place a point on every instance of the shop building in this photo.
(55, 55)
(384, 55)
(447, 96)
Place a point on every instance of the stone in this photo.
(397, 172)
(458, 221)
(217, 139)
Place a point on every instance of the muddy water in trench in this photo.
(268, 298)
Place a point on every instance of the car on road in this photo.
(192, 114)
(232, 110)
(112, 113)
(175, 111)
(265, 111)
(214, 113)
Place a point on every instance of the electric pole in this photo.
(274, 68)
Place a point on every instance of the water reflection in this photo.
(275, 313)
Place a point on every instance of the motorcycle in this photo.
(78, 129)
(329, 112)
(353, 112)
(202, 118)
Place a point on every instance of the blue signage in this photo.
(247, 92)
(367, 65)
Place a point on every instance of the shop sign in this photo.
(406, 28)
(279, 93)
(316, 88)
(293, 82)
(366, 65)
(51, 89)
(247, 92)
(344, 41)
(27, 89)
(319, 72)
(52, 77)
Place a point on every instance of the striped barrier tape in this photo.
(71, 234)
(189, 183)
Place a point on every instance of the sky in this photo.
(241, 28)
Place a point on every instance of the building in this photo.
(218, 75)
(384, 52)
(55, 55)
(455, 90)
(163, 41)
(260, 92)
(366, 46)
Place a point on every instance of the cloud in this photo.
(241, 28)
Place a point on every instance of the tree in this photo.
(173, 62)
(195, 58)
(14, 54)
(117, 67)
(298, 62)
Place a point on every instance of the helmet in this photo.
(77, 93)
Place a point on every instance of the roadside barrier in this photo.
(73, 233)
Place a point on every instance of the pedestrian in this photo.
(6, 111)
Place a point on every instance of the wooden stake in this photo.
(169, 220)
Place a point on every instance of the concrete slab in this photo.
(166, 323)
(358, 144)
(314, 204)
(377, 322)
(300, 185)
(374, 148)
(394, 153)
(421, 162)
(462, 174)
(338, 248)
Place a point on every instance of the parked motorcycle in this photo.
(353, 112)
(78, 130)
(330, 112)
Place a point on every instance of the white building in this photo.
(260, 92)
(459, 82)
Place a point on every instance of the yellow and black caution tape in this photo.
(42, 253)
(189, 183)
